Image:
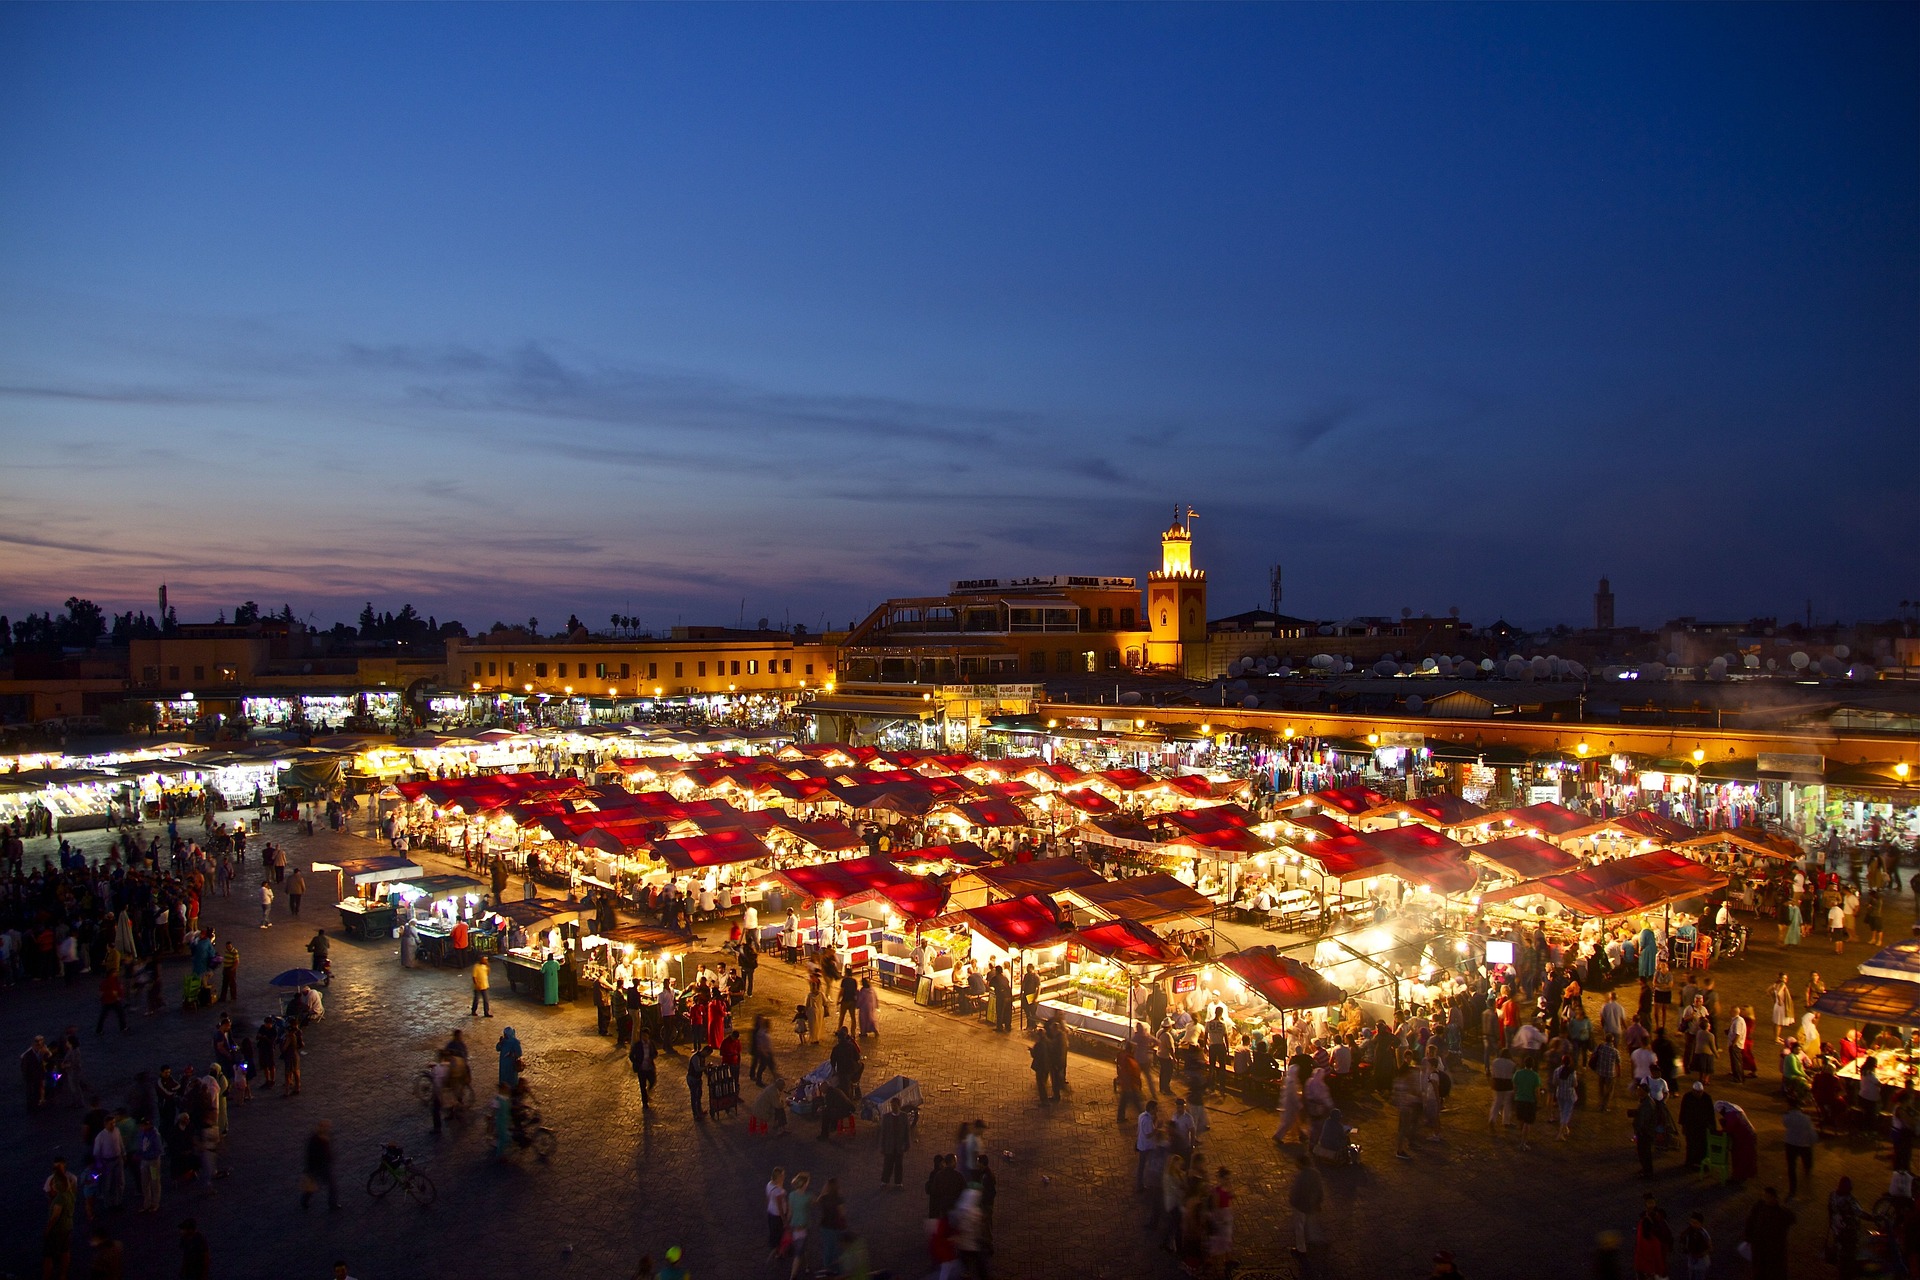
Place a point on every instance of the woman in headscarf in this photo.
(510, 1053)
(1743, 1144)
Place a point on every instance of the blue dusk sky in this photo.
(685, 312)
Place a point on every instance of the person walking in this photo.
(1768, 1223)
(776, 1198)
(1606, 1068)
(196, 1259)
(760, 1049)
(296, 890)
(291, 1045)
(896, 1135)
(318, 1168)
(113, 1000)
(643, 1056)
(1652, 1239)
(229, 972)
(800, 1214)
(1800, 1139)
(56, 1237)
(482, 980)
(151, 1150)
(266, 905)
(1307, 1198)
(508, 1047)
(696, 1078)
(1126, 1084)
(1781, 994)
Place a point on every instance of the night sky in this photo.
(652, 310)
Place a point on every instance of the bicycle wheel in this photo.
(423, 1087)
(545, 1142)
(420, 1187)
(381, 1181)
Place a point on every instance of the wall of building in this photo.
(671, 667)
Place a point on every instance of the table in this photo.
(365, 920)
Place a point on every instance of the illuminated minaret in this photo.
(1177, 598)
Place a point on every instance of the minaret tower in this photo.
(1177, 599)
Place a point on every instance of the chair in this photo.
(847, 1124)
(1719, 1161)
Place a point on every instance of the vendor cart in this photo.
(904, 1088)
(723, 1088)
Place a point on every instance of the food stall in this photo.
(1041, 876)
(432, 905)
(1109, 964)
(1881, 1003)
(551, 928)
(1262, 991)
(1022, 933)
(366, 910)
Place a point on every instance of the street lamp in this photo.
(1580, 747)
(1902, 769)
(1698, 755)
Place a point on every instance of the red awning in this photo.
(1128, 942)
(823, 834)
(1320, 824)
(1440, 811)
(1222, 817)
(1350, 800)
(993, 812)
(1282, 981)
(1086, 800)
(1624, 885)
(1151, 899)
(1551, 820)
(1017, 924)
(1127, 779)
(961, 851)
(713, 850)
(1524, 857)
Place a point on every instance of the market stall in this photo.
(1109, 965)
(361, 885)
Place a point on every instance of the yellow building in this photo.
(698, 661)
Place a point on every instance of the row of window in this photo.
(605, 670)
(1066, 661)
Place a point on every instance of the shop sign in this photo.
(1411, 741)
(1185, 983)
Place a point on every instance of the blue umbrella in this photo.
(299, 978)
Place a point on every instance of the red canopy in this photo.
(962, 851)
(1151, 899)
(1525, 857)
(713, 850)
(1127, 942)
(1351, 800)
(1127, 779)
(1017, 924)
(992, 812)
(1220, 817)
(1320, 824)
(1443, 811)
(1624, 885)
(1282, 981)
(1347, 857)
(1549, 819)
(1086, 800)
(823, 834)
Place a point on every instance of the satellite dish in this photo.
(1654, 671)
(1831, 666)
(1717, 669)
(1415, 703)
(1751, 662)
(1237, 686)
(1131, 697)
(1541, 667)
(1773, 664)
(1800, 660)
(1234, 668)
(1249, 702)
(1841, 651)
(1486, 664)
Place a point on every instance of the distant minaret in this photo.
(1603, 606)
(163, 602)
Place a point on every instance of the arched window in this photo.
(1163, 617)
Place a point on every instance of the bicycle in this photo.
(455, 1096)
(396, 1170)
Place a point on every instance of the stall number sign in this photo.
(1185, 982)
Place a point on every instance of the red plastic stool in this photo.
(847, 1124)
(756, 1125)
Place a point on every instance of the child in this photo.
(802, 1025)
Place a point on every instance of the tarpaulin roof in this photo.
(1320, 824)
(1549, 819)
(1758, 840)
(1442, 810)
(1424, 856)
(1644, 823)
(529, 912)
(1897, 960)
(1282, 981)
(1524, 857)
(1011, 789)
(1195, 785)
(1017, 924)
(965, 851)
(1086, 800)
(1220, 817)
(1233, 842)
(1149, 899)
(1047, 875)
(902, 797)
(647, 937)
(1347, 857)
(1060, 773)
(916, 897)
(1864, 999)
(1350, 800)
(716, 849)
(1126, 779)
(823, 834)
(799, 789)
(1638, 883)
(1128, 942)
(1120, 829)
(375, 870)
(991, 812)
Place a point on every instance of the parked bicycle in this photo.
(396, 1169)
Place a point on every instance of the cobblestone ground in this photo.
(624, 1182)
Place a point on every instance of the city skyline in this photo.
(649, 311)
